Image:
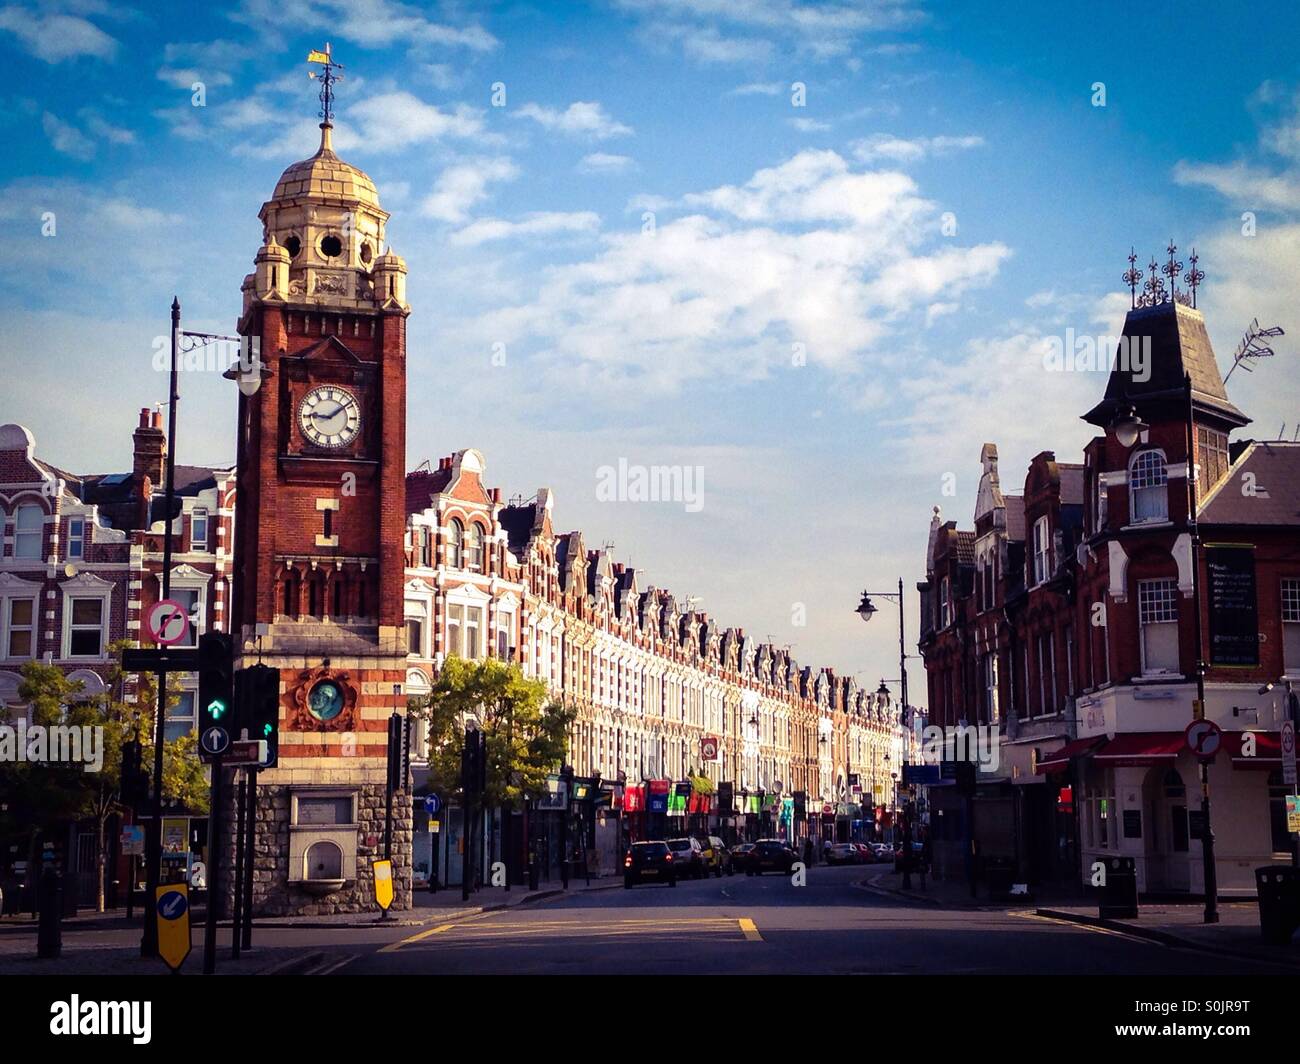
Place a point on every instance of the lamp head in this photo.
(1127, 426)
(866, 608)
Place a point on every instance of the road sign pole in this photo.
(238, 912)
(250, 835)
(214, 871)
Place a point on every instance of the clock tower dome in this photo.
(319, 526)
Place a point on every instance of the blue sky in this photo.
(835, 303)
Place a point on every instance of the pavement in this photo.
(1178, 925)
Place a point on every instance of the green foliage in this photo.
(526, 734)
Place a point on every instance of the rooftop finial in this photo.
(1171, 269)
(327, 78)
(1132, 278)
(1193, 277)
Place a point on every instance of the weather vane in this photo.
(327, 78)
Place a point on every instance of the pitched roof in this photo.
(1275, 469)
(1179, 345)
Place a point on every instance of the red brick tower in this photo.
(318, 531)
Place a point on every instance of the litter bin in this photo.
(1278, 888)
(998, 875)
(1118, 898)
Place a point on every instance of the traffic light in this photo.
(399, 751)
(257, 694)
(135, 780)
(473, 762)
(216, 693)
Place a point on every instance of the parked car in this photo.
(842, 853)
(882, 850)
(770, 855)
(649, 861)
(740, 856)
(688, 858)
(865, 853)
(717, 857)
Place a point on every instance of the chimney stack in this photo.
(150, 449)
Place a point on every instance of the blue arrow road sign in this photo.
(432, 804)
(172, 905)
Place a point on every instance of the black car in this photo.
(740, 854)
(770, 855)
(651, 861)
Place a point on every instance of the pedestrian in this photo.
(807, 851)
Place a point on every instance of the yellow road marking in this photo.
(750, 930)
(393, 947)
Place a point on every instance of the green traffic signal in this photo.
(267, 729)
(216, 709)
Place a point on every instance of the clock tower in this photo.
(319, 525)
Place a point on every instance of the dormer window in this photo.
(474, 548)
(1148, 481)
(1042, 550)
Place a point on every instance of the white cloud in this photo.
(900, 150)
(758, 88)
(463, 185)
(368, 23)
(807, 252)
(541, 223)
(810, 125)
(724, 31)
(66, 138)
(56, 37)
(1244, 185)
(600, 162)
(583, 119)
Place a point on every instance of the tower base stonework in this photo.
(320, 813)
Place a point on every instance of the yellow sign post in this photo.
(384, 884)
(172, 901)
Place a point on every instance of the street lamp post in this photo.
(866, 610)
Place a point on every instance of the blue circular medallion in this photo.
(325, 702)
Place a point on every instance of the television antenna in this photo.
(1253, 345)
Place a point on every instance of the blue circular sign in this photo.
(432, 804)
(215, 740)
(172, 905)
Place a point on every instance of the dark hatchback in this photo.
(649, 861)
(770, 855)
(740, 854)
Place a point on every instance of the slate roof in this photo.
(1179, 345)
(1276, 468)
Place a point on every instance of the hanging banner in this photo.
(1233, 607)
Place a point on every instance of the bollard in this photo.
(534, 875)
(49, 933)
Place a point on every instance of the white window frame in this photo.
(200, 513)
(1157, 605)
(1290, 598)
(23, 536)
(15, 588)
(86, 586)
(77, 528)
(1153, 483)
(1042, 550)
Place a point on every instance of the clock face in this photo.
(330, 416)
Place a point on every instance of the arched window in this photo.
(1148, 487)
(474, 547)
(29, 528)
(455, 536)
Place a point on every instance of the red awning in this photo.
(1059, 760)
(1142, 748)
(1267, 744)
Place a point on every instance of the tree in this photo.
(526, 734)
(43, 796)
